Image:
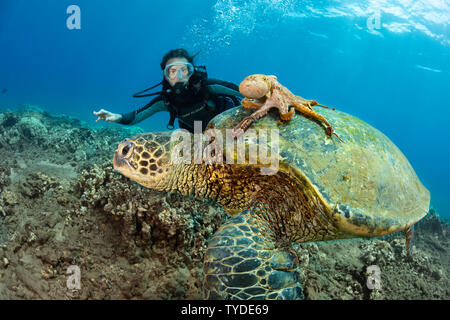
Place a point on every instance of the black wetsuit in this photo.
(216, 97)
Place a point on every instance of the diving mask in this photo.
(179, 70)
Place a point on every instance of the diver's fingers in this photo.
(99, 115)
(102, 115)
(101, 112)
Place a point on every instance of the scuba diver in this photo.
(187, 94)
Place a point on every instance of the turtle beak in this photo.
(118, 161)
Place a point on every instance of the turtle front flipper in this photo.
(243, 263)
(248, 121)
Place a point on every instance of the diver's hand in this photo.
(107, 116)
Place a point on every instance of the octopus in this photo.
(264, 92)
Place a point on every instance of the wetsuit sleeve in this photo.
(223, 83)
(225, 94)
(224, 88)
(136, 116)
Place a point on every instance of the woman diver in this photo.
(187, 94)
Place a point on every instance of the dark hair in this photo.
(177, 53)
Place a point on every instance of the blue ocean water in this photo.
(386, 62)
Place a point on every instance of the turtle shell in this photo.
(366, 183)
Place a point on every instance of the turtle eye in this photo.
(126, 148)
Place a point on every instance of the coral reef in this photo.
(32, 128)
(36, 184)
(37, 132)
(7, 198)
(339, 269)
(62, 204)
(149, 218)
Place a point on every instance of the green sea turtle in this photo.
(322, 189)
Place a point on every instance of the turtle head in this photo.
(145, 158)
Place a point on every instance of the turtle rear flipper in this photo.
(409, 233)
(241, 263)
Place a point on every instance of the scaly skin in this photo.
(263, 92)
(233, 187)
(147, 160)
